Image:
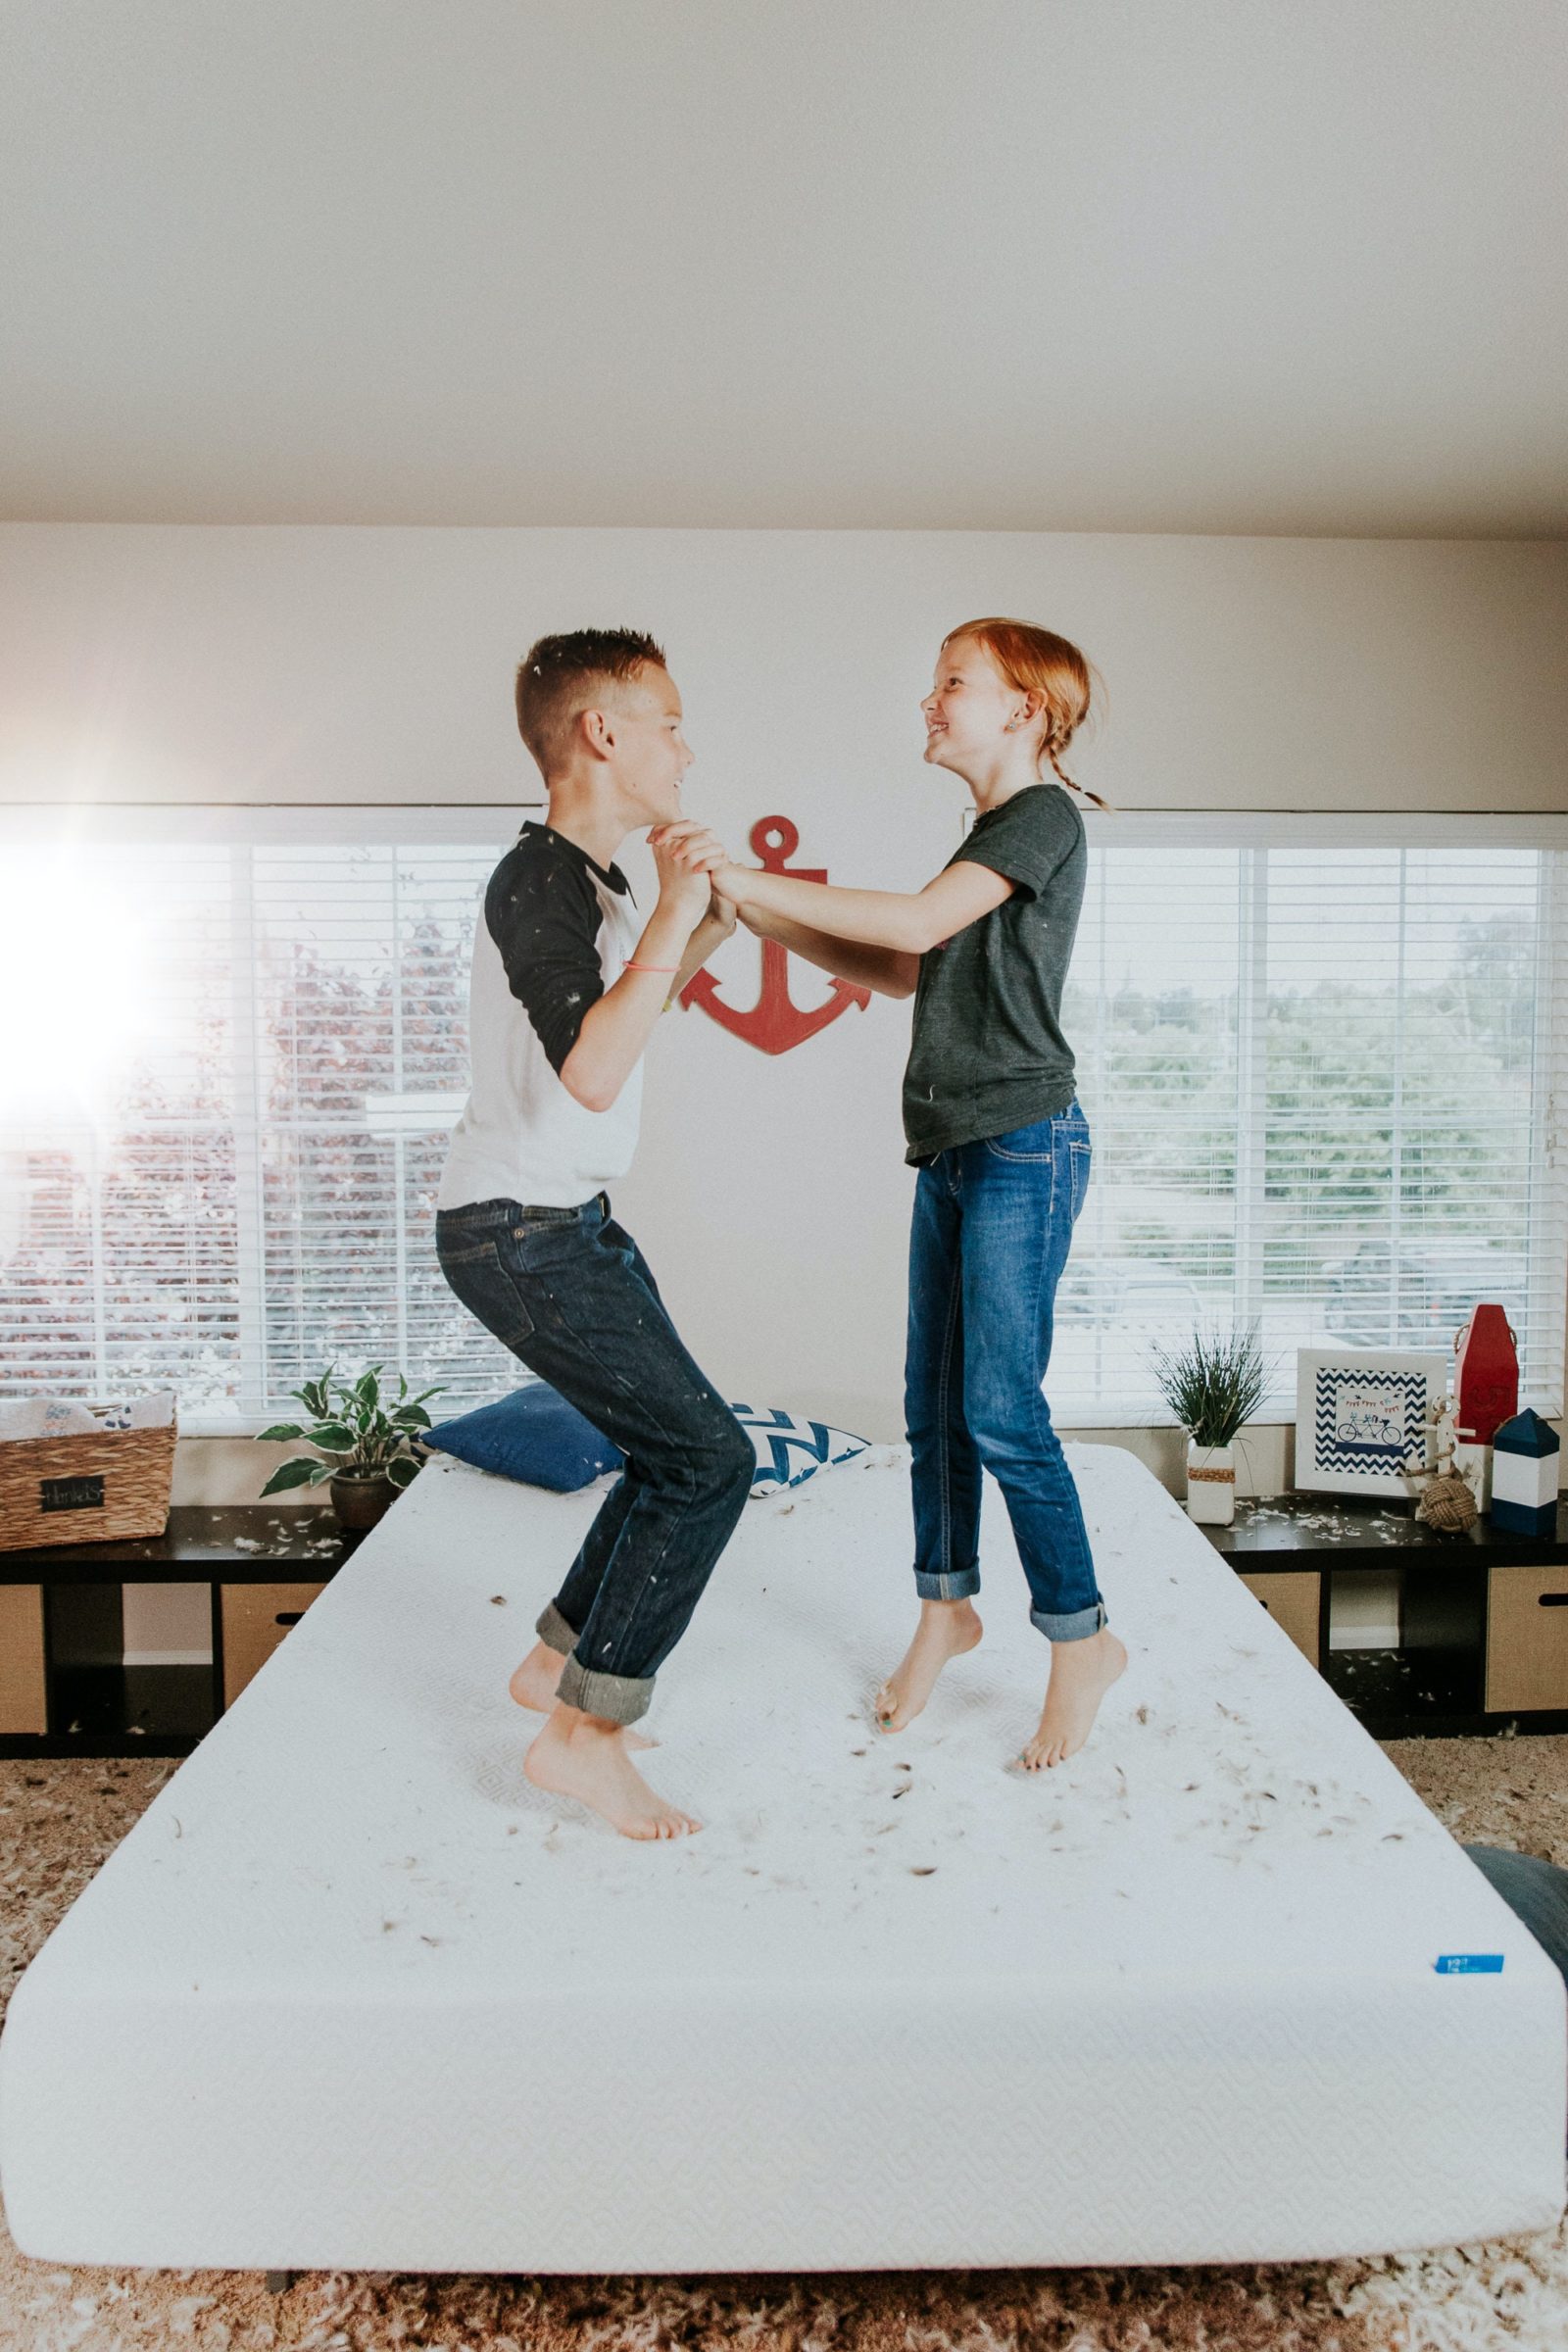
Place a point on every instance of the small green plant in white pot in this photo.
(365, 1438)
(1213, 1384)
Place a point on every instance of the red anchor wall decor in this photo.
(777, 1023)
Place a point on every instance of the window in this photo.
(224, 1122)
(1326, 1081)
(1325, 1085)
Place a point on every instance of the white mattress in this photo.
(352, 1994)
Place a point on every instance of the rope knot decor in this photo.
(1447, 1504)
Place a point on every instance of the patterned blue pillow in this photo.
(790, 1450)
(534, 1435)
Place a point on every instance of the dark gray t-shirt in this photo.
(988, 1053)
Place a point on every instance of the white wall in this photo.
(144, 662)
(191, 664)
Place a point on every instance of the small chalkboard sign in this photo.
(71, 1493)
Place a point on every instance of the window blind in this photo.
(1326, 1086)
(118, 1163)
(358, 1066)
(1326, 1083)
(222, 1126)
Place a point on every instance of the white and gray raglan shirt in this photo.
(557, 932)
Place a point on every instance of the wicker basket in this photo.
(97, 1487)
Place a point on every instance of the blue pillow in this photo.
(534, 1435)
(537, 1438)
(790, 1450)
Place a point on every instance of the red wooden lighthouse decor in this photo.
(776, 1022)
(1486, 1388)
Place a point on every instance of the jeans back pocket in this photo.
(1079, 1160)
(488, 1286)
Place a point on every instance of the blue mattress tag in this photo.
(1469, 1964)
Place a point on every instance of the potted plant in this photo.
(365, 1436)
(1213, 1385)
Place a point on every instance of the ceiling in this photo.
(1214, 266)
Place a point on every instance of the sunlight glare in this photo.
(74, 984)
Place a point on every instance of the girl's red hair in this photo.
(1038, 662)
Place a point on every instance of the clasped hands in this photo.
(697, 874)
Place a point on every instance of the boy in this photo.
(567, 985)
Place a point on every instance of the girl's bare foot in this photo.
(1081, 1673)
(583, 1756)
(534, 1686)
(946, 1628)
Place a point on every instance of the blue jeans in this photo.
(993, 1223)
(568, 1292)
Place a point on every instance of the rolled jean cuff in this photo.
(1077, 1625)
(959, 1584)
(554, 1630)
(616, 1698)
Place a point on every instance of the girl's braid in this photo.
(1054, 737)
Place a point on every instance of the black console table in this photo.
(1482, 1616)
(1482, 1619)
(65, 1689)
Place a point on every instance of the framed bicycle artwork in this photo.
(1363, 1419)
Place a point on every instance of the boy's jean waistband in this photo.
(480, 1215)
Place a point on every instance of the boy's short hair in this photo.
(560, 679)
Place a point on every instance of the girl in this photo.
(1003, 1148)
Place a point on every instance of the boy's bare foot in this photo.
(946, 1628)
(583, 1756)
(535, 1681)
(1081, 1673)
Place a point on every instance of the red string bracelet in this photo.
(650, 967)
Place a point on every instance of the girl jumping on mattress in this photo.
(994, 1126)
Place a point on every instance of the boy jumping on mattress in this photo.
(992, 1124)
(567, 984)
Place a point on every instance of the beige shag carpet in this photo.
(59, 1819)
